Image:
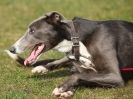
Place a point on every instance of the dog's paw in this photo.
(58, 92)
(39, 70)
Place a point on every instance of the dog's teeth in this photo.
(13, 56)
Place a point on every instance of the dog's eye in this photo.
(31, 31)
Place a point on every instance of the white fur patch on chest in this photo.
(66, 46)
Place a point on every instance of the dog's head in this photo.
(42, 35)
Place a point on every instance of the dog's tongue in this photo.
(34, 54)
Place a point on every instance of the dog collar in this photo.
(75, 40)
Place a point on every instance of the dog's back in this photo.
(122, 32)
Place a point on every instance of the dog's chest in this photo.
(66, 47)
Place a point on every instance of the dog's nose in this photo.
(12, 50)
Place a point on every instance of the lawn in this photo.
(17, 82)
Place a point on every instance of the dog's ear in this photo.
(54, 17)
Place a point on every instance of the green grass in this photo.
(16, 82)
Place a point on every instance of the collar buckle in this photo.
(75, 41)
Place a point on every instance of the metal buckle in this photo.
(75, 45)
(75, 41)
(74, 37)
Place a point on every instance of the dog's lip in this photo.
(35, 53)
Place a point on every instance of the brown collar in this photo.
(75, 40)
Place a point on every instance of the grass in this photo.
(16, 82)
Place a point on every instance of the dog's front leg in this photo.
(42, 69)
(67, 89)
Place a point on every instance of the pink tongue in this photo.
(34, 54)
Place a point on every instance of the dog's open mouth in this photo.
(37, 50)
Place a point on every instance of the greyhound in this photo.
(106, 44)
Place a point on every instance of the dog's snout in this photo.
(12, 50)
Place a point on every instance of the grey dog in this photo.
(107, 45)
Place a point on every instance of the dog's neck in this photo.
(81, 28)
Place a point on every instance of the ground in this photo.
(16, 81)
